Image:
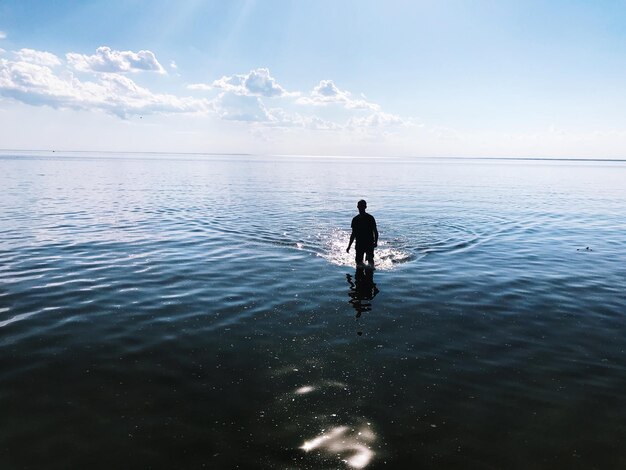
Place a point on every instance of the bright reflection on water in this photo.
(388, 254)
(201, 312)
(350, 445)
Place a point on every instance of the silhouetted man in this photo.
(366, 234)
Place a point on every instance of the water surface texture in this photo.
(191, 311)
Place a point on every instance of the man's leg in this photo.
(359, 256)
(370, 257)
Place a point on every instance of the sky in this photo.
(375, 78)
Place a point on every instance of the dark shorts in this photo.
(368, 252)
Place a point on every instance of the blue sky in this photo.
(484, 78)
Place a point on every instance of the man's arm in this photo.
(350, 244)
(375, 235)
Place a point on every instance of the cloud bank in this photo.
(327, 92)
(37, 57)
(33, 78)
(101, 82)
(257, 82)
(106, 60)
(235, 107)
(244, 97)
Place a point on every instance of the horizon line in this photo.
(448, 157)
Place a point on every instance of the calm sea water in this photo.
(201, 312)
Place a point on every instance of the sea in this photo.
(174, 311)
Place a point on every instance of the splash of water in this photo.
(387, 255)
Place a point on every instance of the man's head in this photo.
(361, 205)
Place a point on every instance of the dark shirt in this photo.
(363, 226)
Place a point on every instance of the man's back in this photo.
(363, 227)
(366, 234)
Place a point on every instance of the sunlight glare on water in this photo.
(350, 445)
(387, 255)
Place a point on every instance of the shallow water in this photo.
(190, 311)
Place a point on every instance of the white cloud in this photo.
(243, 94)
(37, 57)
(173, 65)
(327, 92)
(316, 123)
(39, 85)
(3, 35)
(109, 61)
(281, 118)
(234, 107)
(40, 78)
(241, 108)
(257, 82)
(199, 86)
(378, 119)
(260, 82)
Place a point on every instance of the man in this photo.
(366, 234)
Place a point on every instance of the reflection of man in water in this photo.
(366, 234)
(362, 290)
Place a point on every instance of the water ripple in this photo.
(201, 305)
